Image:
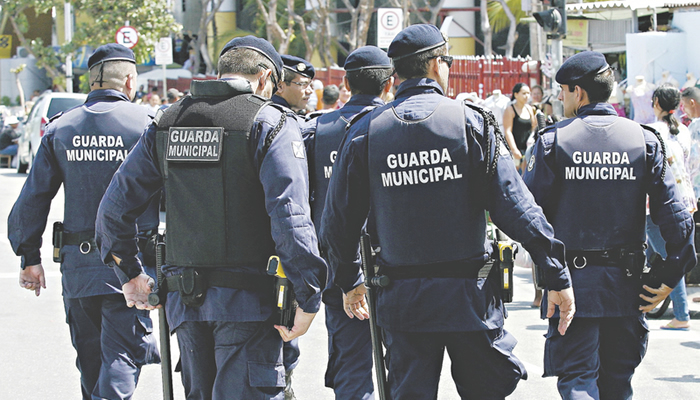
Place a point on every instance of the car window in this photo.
(57, 105)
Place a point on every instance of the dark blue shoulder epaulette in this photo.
(358, 117)
(55, 117)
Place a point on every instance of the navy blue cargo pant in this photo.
(113, 342)
(597, 357)
(483, 364)
(231, 360)
(349, 370)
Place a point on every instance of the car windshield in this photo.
(57, 105)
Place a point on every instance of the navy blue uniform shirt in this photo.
(89, 130)
(607, 291)
(284, 177)
(434, 304)
(354, 106)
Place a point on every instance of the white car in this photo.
(48, 105)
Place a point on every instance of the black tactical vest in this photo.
(330, 130)
(600, 181)
(424, 199)
(215, 204)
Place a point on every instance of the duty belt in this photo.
(612, 257)
(226, 279)
(451, 269)
(85, 240)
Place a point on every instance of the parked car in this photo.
(48, 105)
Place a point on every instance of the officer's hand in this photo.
(660, 295)
(355, 304)
(567, 307)
(32, 278)
(302, 322)
(136, 292)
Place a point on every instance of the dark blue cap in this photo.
(367, 57)
(581, 65)
(262, 46)
(415, 39)
(299, 65)
(111, 52)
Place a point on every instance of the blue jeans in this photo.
(678, 295)
(10, 150)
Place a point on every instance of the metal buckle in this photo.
(82, 247)
(585, 262)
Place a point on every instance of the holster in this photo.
(57, 241)
(193, 287)
(651, 276)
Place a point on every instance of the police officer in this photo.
(368, 73)
(425, 168)
(81, 150)
(293, 92)
(592, 174)
(295, 89)
(237, 186)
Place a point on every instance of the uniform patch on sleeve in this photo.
(531, 163)
(298, 149)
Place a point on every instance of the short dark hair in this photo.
(416, 66)
(368, 81)
(288, 76)
(691, 93)
(599, 87)
(243, 61)
(330, 94)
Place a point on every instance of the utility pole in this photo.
(68, 22)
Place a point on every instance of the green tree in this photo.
(97, 22)
(506, 13)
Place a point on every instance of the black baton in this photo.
(166, 367)
(372, 281)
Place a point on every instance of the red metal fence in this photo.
(468, 74)
(472, 74)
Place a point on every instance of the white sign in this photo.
(127, 36)
(164, 51)
(389, 24)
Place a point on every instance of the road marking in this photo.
(532, 369)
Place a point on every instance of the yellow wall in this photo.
(225, 29)
(462, 46)
(317, 62)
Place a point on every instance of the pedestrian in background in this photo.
(421, 171)
(81, 150)
(591, 174)
(519, 122)
(676, 137)
(242, 198)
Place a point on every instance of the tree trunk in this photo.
(201, 49)
(510, 42)
(51, 71)
(486, 29)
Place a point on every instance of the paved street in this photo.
(38, 361)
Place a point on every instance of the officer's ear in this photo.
(581, 95)
(388, 85)
(347, 83)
